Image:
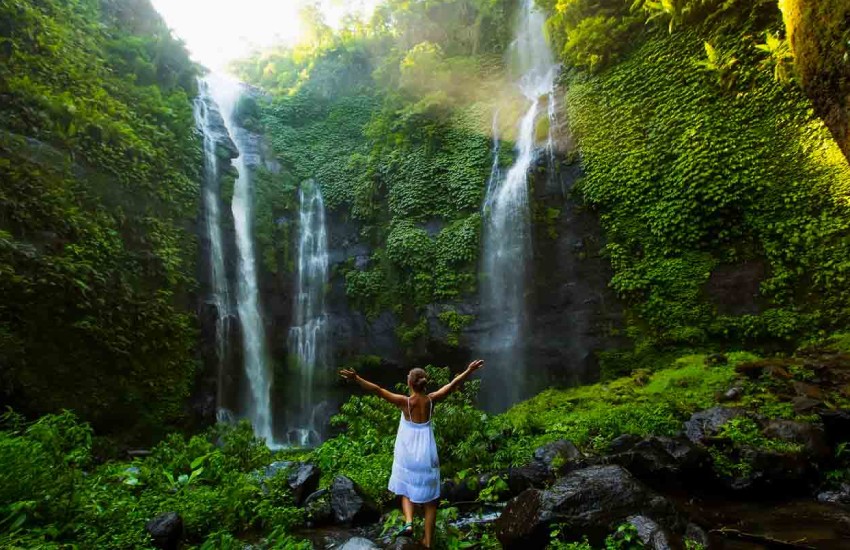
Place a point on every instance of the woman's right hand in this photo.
(475, 365)
(348, 374)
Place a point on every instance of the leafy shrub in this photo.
(211, 480)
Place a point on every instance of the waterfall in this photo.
(219, 295)
(226, 93)
(307, 337)
(507, 229)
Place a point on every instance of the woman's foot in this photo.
(405, 531)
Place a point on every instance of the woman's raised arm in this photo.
(446, 390)
(394, 398)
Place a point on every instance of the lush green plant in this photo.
(717, 196)
(99, 168)
(364, 451)
(391, 118)
(54, 495)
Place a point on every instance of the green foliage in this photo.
(364, 451)
(392, 118)
(778, 58)
(744, 432)
(455, 323)
(98, 163)
(694, 161)
(275, 219)
(624, 538)
(54, 495)
(591, 416)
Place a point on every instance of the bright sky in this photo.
(218, 31)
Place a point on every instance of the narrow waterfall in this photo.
(307, 337)
(219, 294)
(226, 93)
(507, 230)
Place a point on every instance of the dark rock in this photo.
(557, 455)
(803, 404)
(534, 474)
(358, 543)
(836, 425)
(808, 390)
(349, 504)
(650, 533)
(624, 443)
(591, 501)
(303, 481)
(459, 490)
(696, 534)
(166, 530)
(732, 394)
(664, 461)
(318, 508)
(774, 367)
(810, 436)
(276, 467)
(706, 424)
(840, 496)
(770, 472)
(734, 288)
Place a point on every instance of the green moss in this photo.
(646, 403)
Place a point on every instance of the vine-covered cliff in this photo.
(100, 169)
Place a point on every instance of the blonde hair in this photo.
(417, 379)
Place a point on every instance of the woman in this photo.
(416, 467)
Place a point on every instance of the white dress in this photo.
(416, 466)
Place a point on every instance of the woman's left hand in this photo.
(348, 374)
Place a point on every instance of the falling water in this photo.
(307, 337)
(226, 93)
(507, 231)
(219, 293)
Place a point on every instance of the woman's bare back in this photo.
(420, 408)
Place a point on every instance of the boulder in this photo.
(624, 443)
(770, 472)
(532, 475)
(459, 490)
(590, 501)
(650, 533)
(318, 508)
(697, 536)
(840, 496)
(276, 467)
(349, 504)
(664, 461)
(836, 425)
(303, 480)
(706, 424)
(810, 436)
(558, 455)
(358, 543)
(732, 394)
(166, 530)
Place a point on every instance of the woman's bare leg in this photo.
(407, 509)
(430, 523)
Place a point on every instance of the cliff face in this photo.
(572, 313)
(98, 192)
